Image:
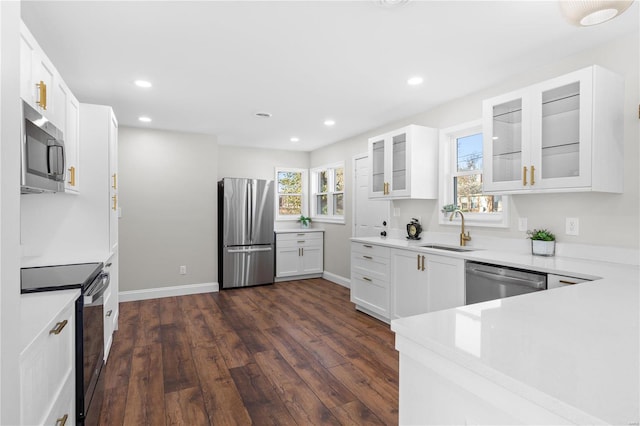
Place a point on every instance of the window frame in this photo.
(448, 168)
(314, 193)
(304, 195)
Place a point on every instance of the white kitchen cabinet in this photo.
(47, 372)
(370, 267)
(72, 142)
(564, 134)
(299, 254)
(114, 212)
(445, 278)
(555, 281)
(403, 164)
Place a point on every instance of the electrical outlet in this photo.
(522, 224)
(573, 226)
(183, 270)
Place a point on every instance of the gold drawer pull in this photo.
(524, 176)
(533, 170)
(368, 257)
(42, 92)
(567, 282)
(366, 279)
(418, 256)
(58, 328)
(422, 263)
(301, 241)
(72, 176)
(62, 420)
(115, 181)
(301, 235)
(115, 202)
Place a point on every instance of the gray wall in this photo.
(168, 199)
(257, 163)
(605, 219)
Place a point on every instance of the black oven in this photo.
(93, 282)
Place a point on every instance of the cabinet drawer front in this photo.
(555, 281)
(373, 266)
(64, 405)
(370, 249)
(295, 236)
(300, 242)
(370, 293)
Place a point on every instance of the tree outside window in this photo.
(290, 193)
(327, 193)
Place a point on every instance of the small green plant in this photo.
(541, 235)
(304, 220)
(449, 208)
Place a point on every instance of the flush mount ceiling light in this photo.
(143, 83)
(144, 119)
(263, 114)
(415, 81)
(329, 123)
(585, 13)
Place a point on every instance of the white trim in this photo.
(156, 293)
(344, 282)
(355, 190)
(313, 194)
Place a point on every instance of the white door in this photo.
(368, 215)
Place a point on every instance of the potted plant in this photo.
(448, 209)
(543, 242)
(304, 221)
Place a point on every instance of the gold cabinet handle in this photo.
(533, 170)
(423, 263)
(524, 176)
(58, 328)
(418, 267)
(366, 279)
(567, 282)
(72, 176)
(115, 181)
(115, 202)
(42, 92)
(367, 246)
(62, 420)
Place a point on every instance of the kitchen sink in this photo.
(448, 248)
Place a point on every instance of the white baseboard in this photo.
(344, 282)
(155, 293)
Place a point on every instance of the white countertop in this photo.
(65, 259)
(573, 350)
(38, 309)
(297, 230)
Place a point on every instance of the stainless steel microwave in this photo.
(43, 155)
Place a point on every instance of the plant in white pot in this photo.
(543, 242)
(448, 209)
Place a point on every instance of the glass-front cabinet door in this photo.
(562, 120)
(506, 149)
(378, 185)
(398, 146)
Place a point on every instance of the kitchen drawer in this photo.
(370, 293)
(370, 249)
(295, 236)
(45, 365)
(555, 281)
(63, 409)
(376, 266)
(300, 242)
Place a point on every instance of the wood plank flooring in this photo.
(292, 353)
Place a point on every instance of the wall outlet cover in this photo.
(572, 226)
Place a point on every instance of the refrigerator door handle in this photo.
(251, 212)
(249, 250)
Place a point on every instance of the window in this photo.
(327, 193)
(291, 193)
(461, 147)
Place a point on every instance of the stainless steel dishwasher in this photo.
(488, 282)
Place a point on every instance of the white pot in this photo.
(543, 248)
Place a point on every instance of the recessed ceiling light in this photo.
(145, 119)
(329, 123)
(294, 139)
(263, 114)
(143, 83)
(414, 81)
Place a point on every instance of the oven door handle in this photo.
(96, 291)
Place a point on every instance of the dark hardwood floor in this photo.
(295, 353)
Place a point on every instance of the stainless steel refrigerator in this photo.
(246, 246)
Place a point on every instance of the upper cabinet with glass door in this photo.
(404, 164)
(562, 135)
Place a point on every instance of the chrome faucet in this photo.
(463, 237)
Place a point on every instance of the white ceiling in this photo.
(214, 64)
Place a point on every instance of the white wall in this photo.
(168, 186)
(256, 163)
(605, 219)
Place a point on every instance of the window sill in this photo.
(328, 220)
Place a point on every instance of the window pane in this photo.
(468, 195)
(323, 181)
(290, 204)
(289, 182)
(339, 180)
(338, 204)
(322, 204)
(469, 152)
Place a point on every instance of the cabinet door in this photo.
(312, 260)
(408, 284)
(28, 47)
(398, 173)
(113, 184)
(506, 133)
(377, 161)
(71, 143)
(287, 261)
(445, 276)
(561, 126)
